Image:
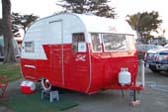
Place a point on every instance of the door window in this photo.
(78, 42)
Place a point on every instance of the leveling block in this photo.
(135, 101)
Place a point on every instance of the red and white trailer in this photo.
(84, 53)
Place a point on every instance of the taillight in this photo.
(165, 57)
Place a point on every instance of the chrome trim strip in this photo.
(62, 53)
(90, 70)
(30, 66)
(30, 77)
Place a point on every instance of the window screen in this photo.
(76, 39)
(29, 46)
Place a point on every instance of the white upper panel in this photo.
(58, 29)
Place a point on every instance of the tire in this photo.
(46, 85)
(153, 69)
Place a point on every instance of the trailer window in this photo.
(29, 46)
(96, 44)
(114, 42)
(131, 42)
(77, 39)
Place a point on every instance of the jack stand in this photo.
(135, 102)
(122, 93)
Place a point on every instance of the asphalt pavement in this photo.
(154, 98)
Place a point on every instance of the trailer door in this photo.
(80, 76)
(57, 53)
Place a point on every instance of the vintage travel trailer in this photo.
(80, 52)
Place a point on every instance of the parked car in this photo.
(157, 60)
(16, 49)
(166, 46)
(143, 48)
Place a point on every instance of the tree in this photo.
(15, 27)
(26, 20)
(1, 27)
(97, 7)
(21, 22)
(7, 32)
(144, 23)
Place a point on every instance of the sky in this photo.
(43, 8)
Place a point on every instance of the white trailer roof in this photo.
(104, 25)
(95, 24)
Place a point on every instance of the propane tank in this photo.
(124, 77)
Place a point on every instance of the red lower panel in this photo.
(106, 67)
(72, 70)
(64, 72)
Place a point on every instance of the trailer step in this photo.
(53, 95)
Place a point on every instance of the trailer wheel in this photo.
(46, 85)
